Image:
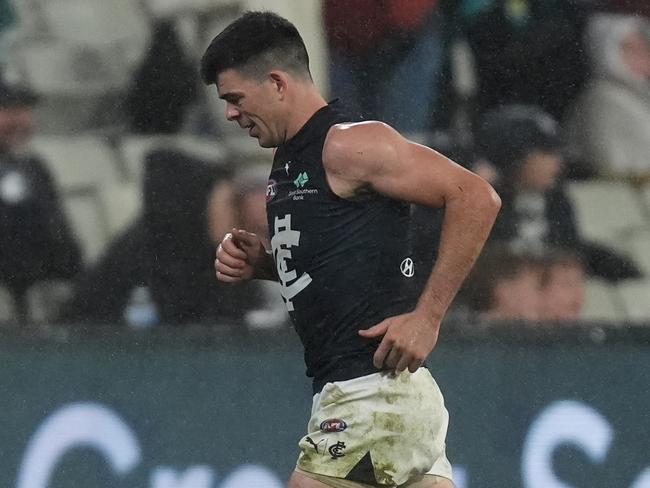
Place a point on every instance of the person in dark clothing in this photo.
(168, 250)
(338, 215)
(524, 144)
(36, 241)
(163, 86)
(515, 41)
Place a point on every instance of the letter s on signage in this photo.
(76, 425)
(563, 422)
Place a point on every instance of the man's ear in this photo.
(280, 81)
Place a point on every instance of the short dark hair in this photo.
(505, 135)
(496, 264)
(255, 43)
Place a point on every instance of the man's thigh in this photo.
(303, 480)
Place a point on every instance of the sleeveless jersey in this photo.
(343, 265)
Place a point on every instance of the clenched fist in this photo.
(237, 256)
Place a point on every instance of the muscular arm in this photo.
(372, 155)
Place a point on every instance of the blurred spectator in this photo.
(563, 286)
(36, 242)
(163, 87)
(167, 250)
(177, 246)
(241, 203)
(609, 127)
(380, 50)
(504, 286)
(523, 143)
(525, 51)
(188, 204)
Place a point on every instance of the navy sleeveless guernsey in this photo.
(343, 265)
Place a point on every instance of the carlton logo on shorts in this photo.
(333, 425)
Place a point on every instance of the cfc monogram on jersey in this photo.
(284, 238)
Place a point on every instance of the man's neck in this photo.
(308, 102)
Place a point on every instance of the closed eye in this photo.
(233, 99)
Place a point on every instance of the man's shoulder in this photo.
(353, 142)
(358, 129)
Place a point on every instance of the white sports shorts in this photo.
(383, 429)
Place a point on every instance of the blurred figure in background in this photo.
(164, 258)
(241, 203)
(524, 145)
(239, 200)
(504, 286)
(163, 87)
(609, 126)
(509, 285)
(164, 261)
(380, 50)
(563, 286)
(526, 51)
(36, 242)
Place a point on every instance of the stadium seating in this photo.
(645, 194)
(608, 212)
(121, 203)
(635, 295)
(637, 246)
(602, 302)
(134, 149)
(88, 220)
(79, 161)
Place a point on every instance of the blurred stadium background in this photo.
(222, 404)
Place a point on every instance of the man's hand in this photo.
(237, 256)
(407, 340)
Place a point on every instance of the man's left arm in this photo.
(372, 154)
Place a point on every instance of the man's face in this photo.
(253, 104)
(15, 126)
(518, 297)
(539, 171)
(636, 53)
(563, 295)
